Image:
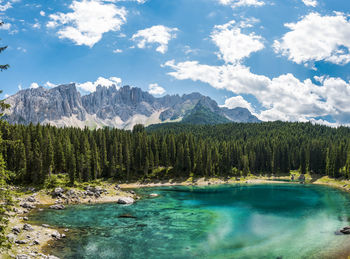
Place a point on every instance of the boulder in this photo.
(56, 235)
(57, 207)
(57, 192)
(21, 242)
(45, 225)
(28, 227)
(154, 195)
(16, 230)
(36, 242)
(27, 206)
(125, 200)
(11, 237)
(22, 256)
(31, 199)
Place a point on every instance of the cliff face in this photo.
(121, 108)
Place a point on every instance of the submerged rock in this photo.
(125, 200)
(154, 195)
(127, 216)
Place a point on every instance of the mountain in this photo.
(121, 108)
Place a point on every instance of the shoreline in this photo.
(40, 236)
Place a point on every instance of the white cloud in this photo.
(5, 6)
(155, 89)
(239, 3)
(5, 26)
(7, 95)
(19, 87)
(50, 85)
(233, 44)
(238, 101)
(312, 3)
(89, 20)
(117, 51)
(158, 34)
(22, 49)
(36, 25)
(42, 13)
(101, 81)
(317, 38)
(283, 98)
(34, 85)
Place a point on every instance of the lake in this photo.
(227, 221)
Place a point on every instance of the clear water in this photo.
(247, 221)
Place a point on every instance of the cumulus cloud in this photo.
(88, 21)
(283, 98)
(5, 5)
(42, 13)
(312, 3)
(238, 101)
(239, 3)
(155, 89)
(5, 26)
(233, 44)
(317, 38)
(158, 34)
(101, 81)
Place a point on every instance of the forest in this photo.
(34, 153)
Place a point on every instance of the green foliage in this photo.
(203, 115)
(40, 155)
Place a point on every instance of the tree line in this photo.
(33, 153)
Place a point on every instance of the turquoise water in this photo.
(240, 221)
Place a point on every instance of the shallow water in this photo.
(233, 221)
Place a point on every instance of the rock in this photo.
(31, 199)
(56, 235)
(21, 242)
(28, 227)
(117, 187)
(345, 231)
(16, 230)
(132, 192)
(11, 237)
(57, 207)
(27, 206)
(125, 200)
(36, 242)
(22, 256)
(128, 216)
(58, 191)
(45, 225)
(52, 257)
(63, 235)
(25, 218)
(154, 195)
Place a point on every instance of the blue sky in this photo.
(281, 59)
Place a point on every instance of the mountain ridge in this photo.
(112, 107)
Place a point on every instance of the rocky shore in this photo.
(28, 240)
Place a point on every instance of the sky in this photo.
(283, 60)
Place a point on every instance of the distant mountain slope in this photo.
(201, 114)
(121, 108)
